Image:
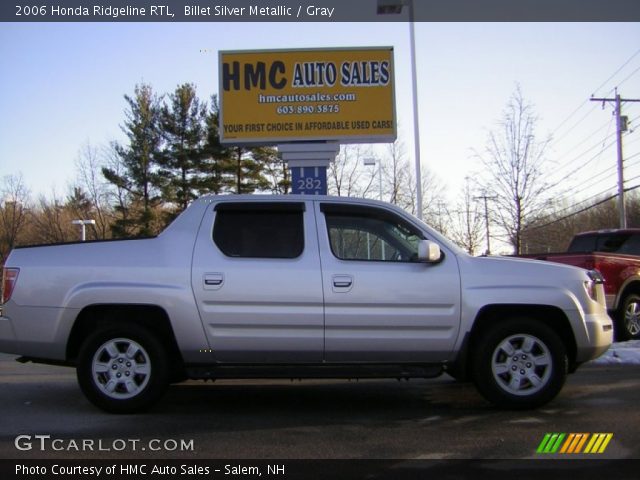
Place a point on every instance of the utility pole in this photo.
(486, 218)
(621, 126)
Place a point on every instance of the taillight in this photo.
(9, 279)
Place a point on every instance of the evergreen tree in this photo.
(216, 163)
(79, 203)
(183, 129)
(139, 159)
(248, 174)
(275, 175)
(239, 169)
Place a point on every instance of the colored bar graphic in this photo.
(574, 443)
(598, 442)
(550, 443)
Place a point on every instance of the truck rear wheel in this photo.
(520, 363)
(122, 368)
(628, 318)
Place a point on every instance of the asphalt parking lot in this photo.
(425, 419)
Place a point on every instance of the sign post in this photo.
(308, 164)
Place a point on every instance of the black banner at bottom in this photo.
(543, 469)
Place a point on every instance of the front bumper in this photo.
(598, 337)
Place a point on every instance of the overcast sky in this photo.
(62, 86)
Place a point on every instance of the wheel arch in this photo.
(152, 317)
(491, 315)
(630, 286)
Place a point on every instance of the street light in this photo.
(394, 7)
(371, 162)
(84, 224)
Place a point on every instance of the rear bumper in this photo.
(36, 333)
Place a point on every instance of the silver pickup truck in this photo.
(298, 287)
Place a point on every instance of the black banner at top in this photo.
(320, 11)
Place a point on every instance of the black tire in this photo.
(123, 368)
(627, 322)
(533, 372)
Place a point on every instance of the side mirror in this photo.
(429, 252)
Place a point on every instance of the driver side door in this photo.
(381, 305)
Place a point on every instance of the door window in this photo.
(368, 234)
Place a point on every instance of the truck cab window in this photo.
(260, 230)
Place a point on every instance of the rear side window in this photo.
(616, 243)
(583, 243)
(259, 230)
(631, 246)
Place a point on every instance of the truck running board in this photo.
(341, 371)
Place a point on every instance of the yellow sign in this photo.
(278, 96)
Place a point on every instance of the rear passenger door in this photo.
(256, 278)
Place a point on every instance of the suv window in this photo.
(259, 230)
(357, 233)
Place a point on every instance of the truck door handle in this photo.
(342, 283)
(213, 281)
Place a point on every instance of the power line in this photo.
(557, 129)
(575, 124)
(630, 75)
(606, 125)
(621, 126)
(584, 209)
(585, 164)
(573, 214)
(616, 72)
(588, 199)
(600, 143)
(611, 173)
(567, 192)
(561, 167)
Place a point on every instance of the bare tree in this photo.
(52, 221)
(397, 176)
(514, 161)
(468, 222)
(346, 176)
(118, 194)
(14, 208)
(91, 181)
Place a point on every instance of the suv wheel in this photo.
(122, 369)
(520, 363)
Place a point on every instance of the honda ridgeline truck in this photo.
(298, 287)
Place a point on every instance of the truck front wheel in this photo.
(519, 363)
(628, 318)
(122, 368)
